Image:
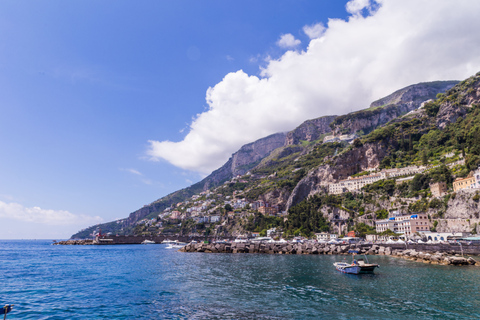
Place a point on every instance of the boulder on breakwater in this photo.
(320, 248)
(75, 242)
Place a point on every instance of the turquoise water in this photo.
(152, 282)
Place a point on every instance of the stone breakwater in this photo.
(75, 242)
(436, 257)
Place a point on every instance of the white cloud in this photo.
(314, 31)
(288, 41)
(38, 215)
(355, 7)
(352, 64)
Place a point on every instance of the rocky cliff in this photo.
(367, 156)
(245, 159)
(392, 106)
(413, 95)
(310, 130)
(458, 102)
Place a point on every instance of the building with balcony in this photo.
(406, 225)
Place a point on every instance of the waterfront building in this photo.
(325, 236)
(351, 234)
(438, 189)
(404, 224)
(271, 232)
(444, 236)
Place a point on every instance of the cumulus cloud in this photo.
(356, 7)
(38, 215)
(314, 31)
(355, 61)
(288, 41)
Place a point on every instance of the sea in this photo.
(44, 281)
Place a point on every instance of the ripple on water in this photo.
(151, 282)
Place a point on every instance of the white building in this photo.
(325, 236)
(271, 232)
(356, 183)
(404, 224)
(330, 139)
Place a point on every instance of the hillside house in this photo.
(438, 189)
(465, 183)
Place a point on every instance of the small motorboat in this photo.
(148, 242)
(358, 266)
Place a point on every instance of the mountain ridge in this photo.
(294, 142)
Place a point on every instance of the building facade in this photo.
(404, 224)
(438, 189)
(464, 183)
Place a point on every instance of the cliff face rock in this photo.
(358, 159)
(415, 94)
(245, 159)
(277, 197)
(310, 130)
(451, 110)
(390, 107)
(463, 206)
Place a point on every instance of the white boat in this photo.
(176, 245)
(358, 266)
(148, 242)
(167, 241)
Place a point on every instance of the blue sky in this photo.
(85, 84)
(110, 105)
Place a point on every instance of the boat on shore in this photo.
(358, 266)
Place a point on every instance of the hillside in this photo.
(286, 168)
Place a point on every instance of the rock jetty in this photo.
(444, 258)
(75, 242)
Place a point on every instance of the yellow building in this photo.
(464, 183)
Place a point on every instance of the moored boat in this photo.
(176, 245)
(358, 266)
(148, 242)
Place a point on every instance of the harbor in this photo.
(455, 253)
(99, 281)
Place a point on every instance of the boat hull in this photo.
(355, 269)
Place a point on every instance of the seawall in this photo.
(436, 254)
